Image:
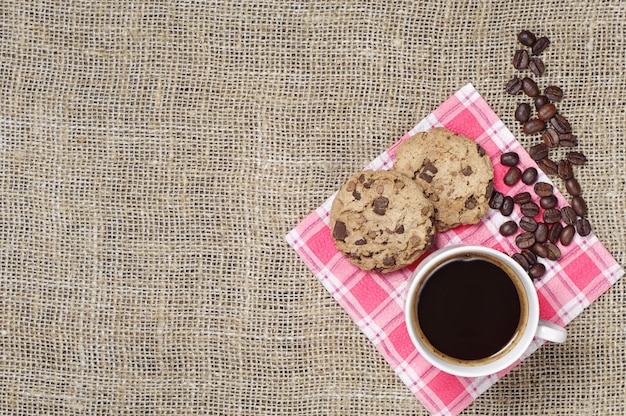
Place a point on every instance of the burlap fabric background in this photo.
(154, 155)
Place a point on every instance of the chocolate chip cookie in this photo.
(453, 171)
(382, 221)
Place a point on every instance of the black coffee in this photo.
(469, 309)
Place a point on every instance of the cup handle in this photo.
(550, 332)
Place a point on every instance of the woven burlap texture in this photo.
(154, 155)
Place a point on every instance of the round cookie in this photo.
(382, 221)
(454, 172)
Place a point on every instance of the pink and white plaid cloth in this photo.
(375, 302)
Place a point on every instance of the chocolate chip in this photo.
(339, 231)
(427, 171)
(467, 171)
(400, 229)
(471, 202)
(380, 205)
(389, 261)
(356, 194)
(360, 242)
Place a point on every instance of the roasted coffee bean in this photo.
(546, 112)
(547, 165)
(573, 187)
(528, 224)
(554, 253)
(521, 260)
(533, 126)
(555, 232)
(567, 234)
(537, 66)
(579, 205)
(576, 158)
(564, 170)
(514, 86)
(522, 112)
(583, 227)
(543, 189)
(551, 137)
(560, 124)
(522, 198)
(529, 255)
(526, 38)
(525, 240)
(540, 101)
(551, 216)
(507, 206)
(521, 58)
(541, 233)
(529, 86)
(540, 250)
(512, 176)
(537, 270)
(553, 93)
(496, 199)
(538, 151)
(529, 176)
(568, 215)
(530, 209)
(568, 140)
(547, 202)
(509, 159)
(508, 228)
(540, 45)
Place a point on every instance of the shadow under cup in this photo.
(469, 311)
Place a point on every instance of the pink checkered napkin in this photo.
(375, 301)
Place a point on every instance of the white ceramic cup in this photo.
(530, 325)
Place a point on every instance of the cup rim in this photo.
(468, 369)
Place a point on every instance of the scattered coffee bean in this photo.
(555, 232)
(551, 216)
(546, 112)
(521, 260)
(541, 233)
(496, 200)
(567, 234)
(522, 198)
(568, 215)
(537, 66)
(540, 101)
(537, 270)
(568, 140)
(512, 176)
(538, 151)
(564, 170)
(509, 159)
(583, 227)
(540, 250)
(521, 58)
(529, 176)
(530, 209)
(529, 86)
(528, 224)
(576, 158)
(508, 228)
(547, 202)
(573, 187)
(579, 205)
(554, 253)
(547, 165)
(529, 255)
(526, 38)
(514, 86)
(533, 126)
(540, 45)
(543, 189)
(553, 93)
(550, 137)
(522, 112)
(525, 240)
(560, 124)
(507, 206)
